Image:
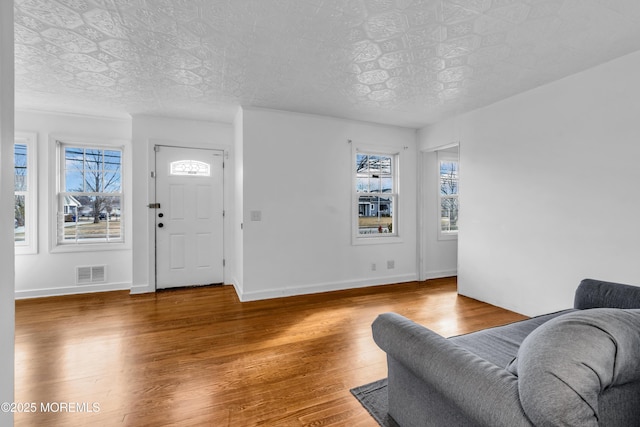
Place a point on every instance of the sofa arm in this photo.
(483, 391)
(565, 366)
(599, 294)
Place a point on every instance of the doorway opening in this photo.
(439, 210)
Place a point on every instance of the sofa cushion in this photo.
(499, 345)
(565, 364)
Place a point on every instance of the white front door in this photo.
(189, 221)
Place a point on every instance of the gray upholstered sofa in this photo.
(578, 367)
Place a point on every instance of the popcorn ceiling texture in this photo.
(404, 62)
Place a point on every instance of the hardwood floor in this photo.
(199, 357)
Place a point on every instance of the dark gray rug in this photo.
(373, 397)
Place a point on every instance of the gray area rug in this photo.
(373, 397)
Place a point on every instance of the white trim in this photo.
(428, 275)
(442, 147)
(323, 287)
(89, 247)
(142, 289)
(30, 245)
(103, 115)
(420, 212)
(193, 144)
(238, 288)
(428, 207)
(71, 290)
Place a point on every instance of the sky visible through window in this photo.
(373, 173)
(20, 161)
(92, 170)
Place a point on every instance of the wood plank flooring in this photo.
(199, 357)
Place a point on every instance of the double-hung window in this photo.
(90, 198)
(25, 181)
(376, 195)
(448, 196)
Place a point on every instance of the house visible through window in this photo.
(448, 196)
(25, 181)
(376, 194)
(90, 197)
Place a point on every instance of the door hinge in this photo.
(224, 262)
(156, 148)
(223, 214)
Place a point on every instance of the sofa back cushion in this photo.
(568, 363)
(593, 293)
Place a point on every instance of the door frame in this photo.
(425, 205)
(153, 143)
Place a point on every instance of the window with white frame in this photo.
(448, 195)
(376, 194)
(90, 197)
(25, 194)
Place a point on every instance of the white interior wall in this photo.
(46, 273)
(147, 132)
(297, 172)
(7, 307)
(549, 189)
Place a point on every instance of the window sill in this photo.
(25, 250)
(89, 247)
(448, 236)
(358, 241)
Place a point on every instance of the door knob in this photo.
(161, 225)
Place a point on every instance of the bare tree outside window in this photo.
(449, 196)
(20, 188)
(92, 193)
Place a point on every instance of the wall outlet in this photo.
(373, 266)
(256, 215)
(391, 264)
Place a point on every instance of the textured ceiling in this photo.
(404, 62)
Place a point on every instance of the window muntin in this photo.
(25, 202)
(376, 195)
(90, 200)
(448, 196)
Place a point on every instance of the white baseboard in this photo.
(322, 287)
(71, 290)
(243, 296)
(142, 289)
(238, 288)
(439, 274)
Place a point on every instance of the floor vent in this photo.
(91, 274)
